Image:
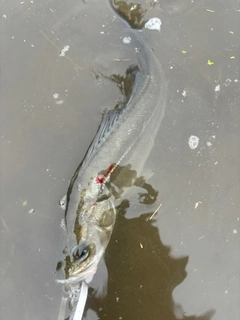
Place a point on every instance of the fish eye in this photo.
(80, 253)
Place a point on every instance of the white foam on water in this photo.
(193, 142)
(153, 24)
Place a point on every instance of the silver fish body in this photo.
(125, 136)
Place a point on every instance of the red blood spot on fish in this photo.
(102, 179)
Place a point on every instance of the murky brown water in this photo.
(183, 264)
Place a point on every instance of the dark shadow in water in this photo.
(131, 12)
(124, 83)
(141, 274)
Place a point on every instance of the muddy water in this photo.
(185, 262)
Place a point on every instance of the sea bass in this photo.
(125, 137)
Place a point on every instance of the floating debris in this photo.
(63, 51)
(60, 102)
(209, 10)
(184, 51)
(184, 93)
(127, 40)
(193, 142)
(197, 204)
(210, 62)
(62, 202)
(217, 88)
(153, 24)
(153, 214)
(31, 210)
(55, 95)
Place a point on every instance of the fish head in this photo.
(92, 230)
(82, 261)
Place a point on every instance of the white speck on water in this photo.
(63, 51)
(217, 88)
(234, 231)
(62, 224)
(4, 16)
(32, 45)
(209, 144)
(227, 82)
(117, 299)
(127, 40)
(216, 162)
(55, 95)
(60, 102)
(22, 2)
(31, 210)
(63, 201)
(193, 142)
(153, 24)
(184, 93)
(101, 32)
(236, 80)
(133, 7)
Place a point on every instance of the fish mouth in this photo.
(84, 275)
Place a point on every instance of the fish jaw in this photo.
(86, 274)
(94, 228)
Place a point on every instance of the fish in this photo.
(125, 137)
